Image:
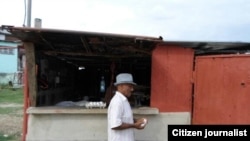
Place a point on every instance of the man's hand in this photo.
(140, 123)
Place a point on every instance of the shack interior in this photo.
(70, 65)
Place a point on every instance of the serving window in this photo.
(64, 83)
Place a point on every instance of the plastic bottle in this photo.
(102, 85)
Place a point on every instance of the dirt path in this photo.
(11, 124)
(10, 105)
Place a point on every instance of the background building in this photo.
(11, 59)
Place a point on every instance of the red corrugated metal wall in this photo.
(222, 90)
(171, 78)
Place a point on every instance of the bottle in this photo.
(102, 85)
(57, 80)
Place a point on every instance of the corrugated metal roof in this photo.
(81, 45)
(209, 47)
(86, 43)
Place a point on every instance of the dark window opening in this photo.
(63, 80)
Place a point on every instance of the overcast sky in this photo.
(185, 20)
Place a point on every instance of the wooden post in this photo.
(31, 72)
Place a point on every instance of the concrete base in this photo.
(157, 127)
(93, 127)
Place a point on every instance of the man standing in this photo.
(121, 122)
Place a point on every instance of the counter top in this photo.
(81, 110)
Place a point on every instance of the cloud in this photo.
(12, 12)
(207, 20)
(173, 19)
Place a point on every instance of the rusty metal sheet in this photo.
(171, 78)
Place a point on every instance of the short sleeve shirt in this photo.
(119, 111)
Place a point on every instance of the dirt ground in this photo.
(12, 124)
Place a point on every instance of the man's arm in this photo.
(136, 125)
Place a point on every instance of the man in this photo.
(121, 123)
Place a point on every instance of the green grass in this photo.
(7, 138)
(10, 110)
(11, 96)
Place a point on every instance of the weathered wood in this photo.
(31, 72)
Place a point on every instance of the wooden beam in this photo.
(72, 54)
(31, 72)
(85, 45)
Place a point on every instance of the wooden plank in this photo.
(31, 72)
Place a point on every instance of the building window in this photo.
(11, 51)
(7, 51)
